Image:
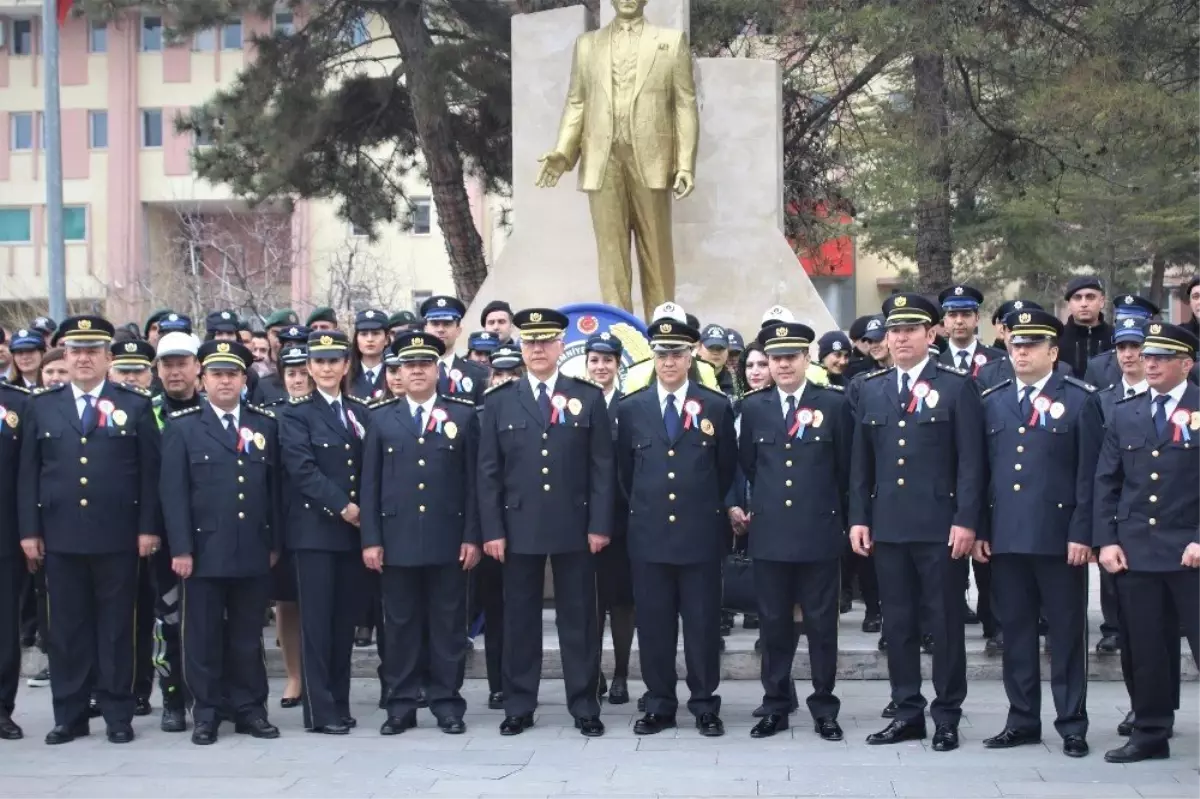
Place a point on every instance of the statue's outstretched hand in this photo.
(684, 183)
(554, 164)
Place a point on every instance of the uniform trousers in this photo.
(814, 584)
(1170, 621)
(575, 617)
(665, 593)
(489, 598)
(920, 587)
(1032, 585)
(1109, 604)
(424, 622)
(223, 662)
(168, 652)
(143, 667)
(12, 582)
(864, 568)
(328, 585)
(983, 584)
(1150, 596)
(92, 599)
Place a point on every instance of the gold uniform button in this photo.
(1020, 429)
(1153, 522)
(1020, 448)
(421, 462)
(545, 453)
(545, 436)
(1154, 475)
(900, 462)
(83, 461)
(901, 442)
(1153, 498)
(83, 481)
(352, 495)
(671, 497)
(241, 496)
(351, 478)
(241, 515)
(787, 483)
(787, 446)
(1017, 467)
(787, 463)
(670, 518)
(421, 509)
(1016, 486)
(1154, 454)
(903, 423)
(241, 478)
(670, 453)
(83, 440)
(546, 487)
(545, 470)
(787, 502)
(421, 440)
(239, 463)
(670, 475)
(900, 481)
(420, 486)
(347, 446)
(350, 463)
(83, 503)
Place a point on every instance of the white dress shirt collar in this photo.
(680, 395)
(1138, 388)
(970, 348)
(783, 396)
(549, 381)
(1037, 386)
(426, 407)
(1176, 395)
(237, 414)
(79, 393)
(330, 398)
(914, 374)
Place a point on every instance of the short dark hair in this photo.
(259, 334)
(492, 307)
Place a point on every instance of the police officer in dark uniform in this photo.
(1103, 370)
(367, 378)
(401, 322)
(13, 400)
(321, 438)
(271, 390)
(321, 318)
(795, 449)
(1043, 437)
(480, 346)
(676, 458)
(546, 483)
(420, 530)
(221, 487)
(1147, 526)
(997, 371)
(456, 377)
(88, 504)
(917, 488)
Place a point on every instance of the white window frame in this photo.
(29, 214)
(414, 203)
(289, 26)
(142, 119)
(142, 28)
(14, 118)
(93, 117)
(241, 35)
(95, 27)
(14, 38)
(83, 210)
(204, 40)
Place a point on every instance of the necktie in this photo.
(543, 401)
(1023, 401)
(89, 419)
(337, 411)
(962, 359)
(443, 377)
(790, 417)
(905, 392)
(1160, 413)
(671, 418)
(231, 427)
(418, 420)
(1129, 392)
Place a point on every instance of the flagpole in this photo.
(52, 122)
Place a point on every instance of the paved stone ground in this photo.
(554, 760)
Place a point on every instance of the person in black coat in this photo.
(457, 377)
(917, 488)
(321, 438)
(795, 446)
(221, 487)
(1147, 528)
(420, 531)
(13, 400)
(1085, 334)
(88, 507)
(546, 483)
(996, 371)
(367, 380)
(1043, 437)
(676, 459)
(271, 391)
(1102, 370)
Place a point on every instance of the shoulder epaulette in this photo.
(589, 381)
(260, 411)
(459, 400)
(383, 402)
(951, 369)
(184, 412)
(499, 386)
(994, 388)
(355, 400)
(758, 390)
(15, 387)
(132, 389)
(1075, 381)
(300, 400)
(635, 392)
(1130, 399)
(43, 390)
(718, 392)
(832, 387)
(877, 373)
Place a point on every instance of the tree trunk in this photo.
(443, 163)
(934, 244)
(1158, 271)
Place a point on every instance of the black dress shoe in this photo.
(590, 726)
(62, 734)
(994, 645)
(120, 734)
(398, 724)
(496, 700)
(897, 732)
(330, 729)
(515, 725)
(641, 703)
(257, 728)
(141, 706)
(350, 721)
(422, 699)
(173, 720)
(828, 729)
(889, 712)
(602, 686)
(872, 623)
(204, 734)
(618, 692)
(94, 711)
(945, 738)
(452, 726)
(710, 725)
(289, 702)
(9, 731)
(1010, 737)
(1108, 644)
(1136, 753)
(1125, 728)
(927, 644)
(770, 725)
(845, 603)
(362, 637)
(1075, 746)
(750, 621)
(882, 644)
(969, 616)
(652, 724)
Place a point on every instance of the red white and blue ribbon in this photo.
(803, 418)
(1041, 404)
(1180, 419)
(917, 401)
(558, 412)
(437, 418)
(691, 414)
(105, 408)
(245, 436)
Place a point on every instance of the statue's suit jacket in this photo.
(664, 120)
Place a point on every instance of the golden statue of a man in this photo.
(632, 124)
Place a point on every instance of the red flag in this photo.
(64, 8)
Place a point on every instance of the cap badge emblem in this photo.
(1024, 318)
(223, 346)
(900, 302)
(781, 331)
(85, 324)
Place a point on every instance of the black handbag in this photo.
(738, 583)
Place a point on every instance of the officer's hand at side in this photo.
(35, 552)
(962, 541)
(982, 551)
(860, 540)
(147, 545)
(495, 549)
(468, 556)
(1078, 554)
(1191, 556)
(182, 565)
(739, 519)
(373, 558)
(350, 513)
(1112, 558)
(597, 542)
(274, 559)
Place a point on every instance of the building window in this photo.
(21, 135)
(98, 129)
(418, 299)
(14, 225)
(419, 216)
(231, 35)
(356, 30)
(74, 223)
(152, 127)
(22, 36)
(285, 20)
(152, 34)
(98, 37)
(205, 40)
